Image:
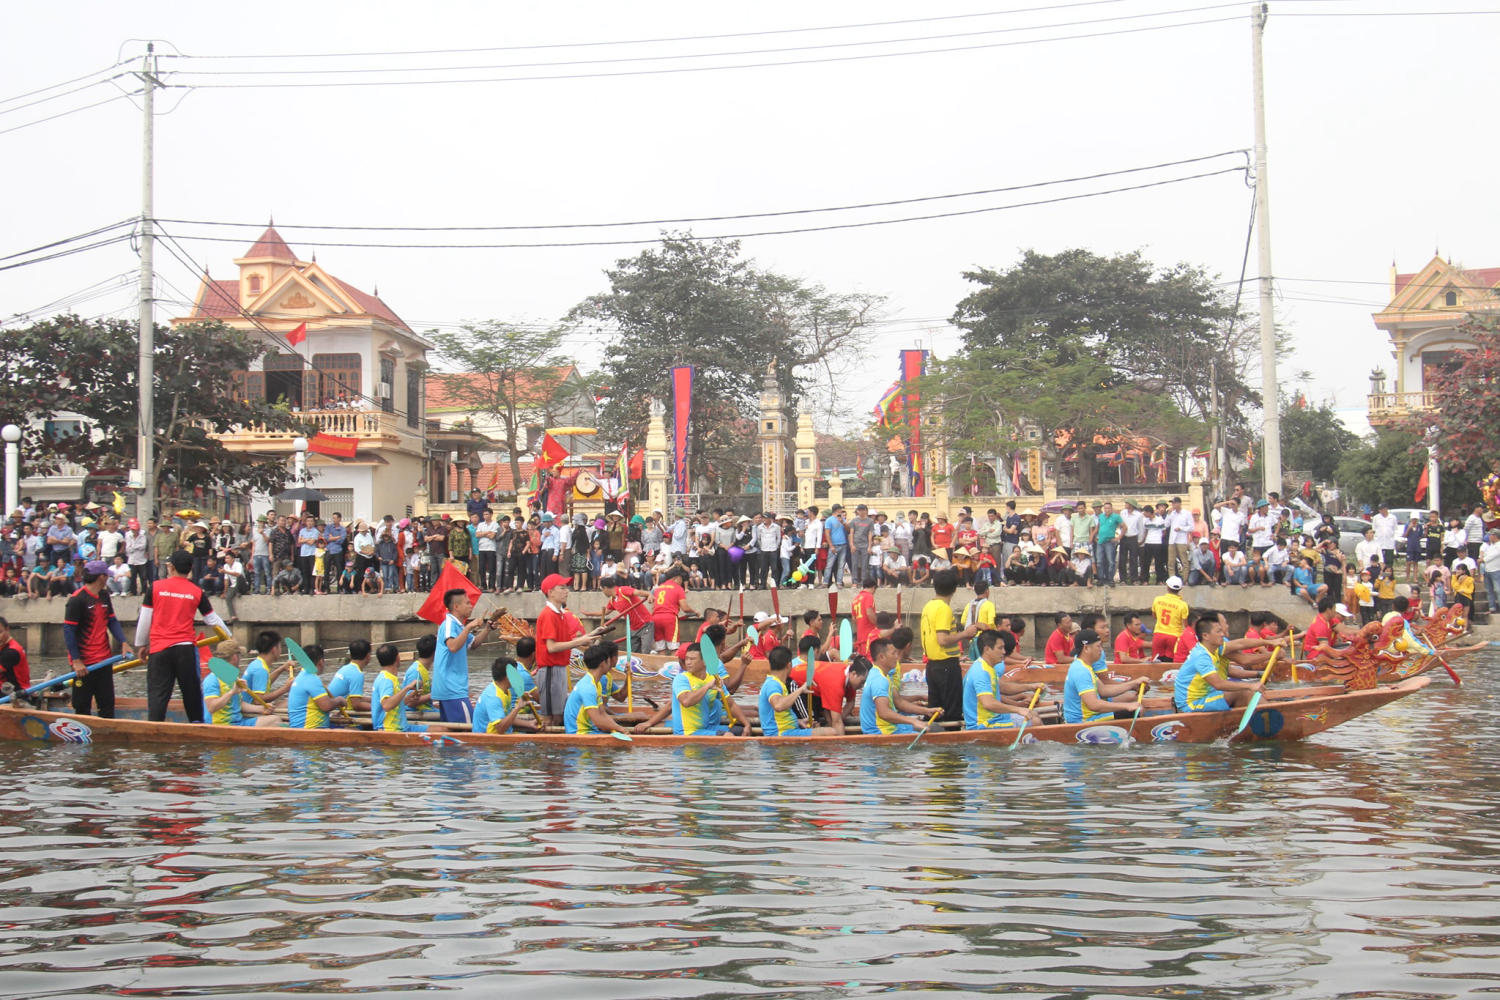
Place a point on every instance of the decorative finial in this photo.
(270, 221)
(377, 291)
(315, 257)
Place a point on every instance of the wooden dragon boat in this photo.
(1281, 718)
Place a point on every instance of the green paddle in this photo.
(1035, 697)
(846, 640)
(228, 676)
(299, 654)
(1255, 698)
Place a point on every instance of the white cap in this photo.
(1174, 583)
(1343, 611)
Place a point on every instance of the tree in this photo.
(698, 302)
(89, 368)
(1461, 425)
(1313, 438)
(515, 377)
(1384, 470)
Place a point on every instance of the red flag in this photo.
(449, 579)
(298, 335)
(638, 465)
(551, 454)
(332, 444)
(1421, 486)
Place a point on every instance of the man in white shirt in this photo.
(1473, 534)
(1365, 550)
(1262, 527)
(1231, 523)
(1278, 562)
(1132, 527)
(767, 535)
(1179, 540)
(1386, 529)
(1489, 565)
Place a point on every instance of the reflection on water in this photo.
(1361, 864)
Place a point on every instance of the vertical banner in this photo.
(682, 412)
(913, 366)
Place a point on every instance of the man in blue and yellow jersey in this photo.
(388, 696)
(348, 681)
(584, 713)
(309, 704)
(697, 697)
(231, 706)
(259, 676)
(1203, 681)
(778, 699)
(881, 705)
(983, 708)
(1085, 696)
(499, 706)
(421, 672)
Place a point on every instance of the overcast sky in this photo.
(1380, 148)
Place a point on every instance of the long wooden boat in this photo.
(1284, 718)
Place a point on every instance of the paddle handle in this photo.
(923, 732)
(69, 677)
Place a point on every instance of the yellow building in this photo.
(357, 376)
(1424, 321)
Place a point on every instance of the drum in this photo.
(586, 485)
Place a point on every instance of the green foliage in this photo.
(67, 365)
(1313, 437)
(1465, 415)
(698, 302)
(1383, 471)
(516, 379)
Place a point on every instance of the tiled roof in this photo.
(371, 304)
(217, 299)
(271, 244)
(1482, 278)
(496, 476)
(449, 392)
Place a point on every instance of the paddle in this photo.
(846, 640)
(923, 731)
(1255, 698)
(1434, 651)
(776, 603)
(898, 605)
(751, 633)
(53, 682)
(1036, 696)
(1140, 696)
(833, 600)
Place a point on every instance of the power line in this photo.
(655, 41)
(702, 69)
(68, 252)
(63, 114)
(747, 235)
(69, 239)
(708, 55)
(727, 218)
(55, 97)
(64, 83)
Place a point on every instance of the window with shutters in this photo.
(387, 391)
(413, 397)
(340, 375)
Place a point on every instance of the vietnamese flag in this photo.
(333, 445)
(1421, 493)
(449, 579)
(551, 454)
(298, 335)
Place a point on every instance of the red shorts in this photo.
(664, 628)
(1162, 646)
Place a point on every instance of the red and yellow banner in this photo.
(333, 445)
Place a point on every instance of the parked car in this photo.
(1351, 529)
(1404, 514)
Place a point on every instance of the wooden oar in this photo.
(1255, 698)
(1140, 699)
(1036, 696)
(67, 678)
(846, 640)
(923, 732)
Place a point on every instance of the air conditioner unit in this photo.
(384, 390)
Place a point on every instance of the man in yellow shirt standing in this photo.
(1171, 614)
(940, 646)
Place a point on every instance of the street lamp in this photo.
(299, 459)
(12, 434)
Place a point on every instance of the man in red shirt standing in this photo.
(668, 603)
(1059, 649)
(558, 633)
(166, 624)
(88, 625)
(621, 600)
(863, 614)
(769, 628)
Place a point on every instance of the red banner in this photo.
(332, 444)
(913, 367)
(682, 413)
(551, 453)
(449, 579)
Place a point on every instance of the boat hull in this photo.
(1281, 718)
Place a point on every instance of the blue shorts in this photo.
(711, 731)
(411, 728)
(795, 732)
(1209, 703)
(247, 720)
(1007, 721)
(454, 709)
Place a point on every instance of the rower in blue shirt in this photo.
(777, 700)
(983, 708)
(349, 681)
(500, 706)
(388, 698)
(1203, 683)
(1085, 696)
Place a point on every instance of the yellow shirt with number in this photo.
(937, 617)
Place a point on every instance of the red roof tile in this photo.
(271, 244)
(448, 390)
(217, 299)
(1482, 278)
(371, 304)
(496, 476)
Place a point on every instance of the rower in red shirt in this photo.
(22, 671)
(863, 614)
(769, 628)
(1185, 643)
(621, 600)
(1319, 643)
(1130, 644)
(668, 604)
(836, 685)
(1059, 648)
(712, 617)
(166, 623)
(558, 634)
(89, 624)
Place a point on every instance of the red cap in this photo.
(555, 580)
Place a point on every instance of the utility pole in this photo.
(146, 376)
(1270, 399)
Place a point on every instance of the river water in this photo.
(1361, 864)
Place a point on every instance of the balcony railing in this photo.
(364, 424)
(1392, 403)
